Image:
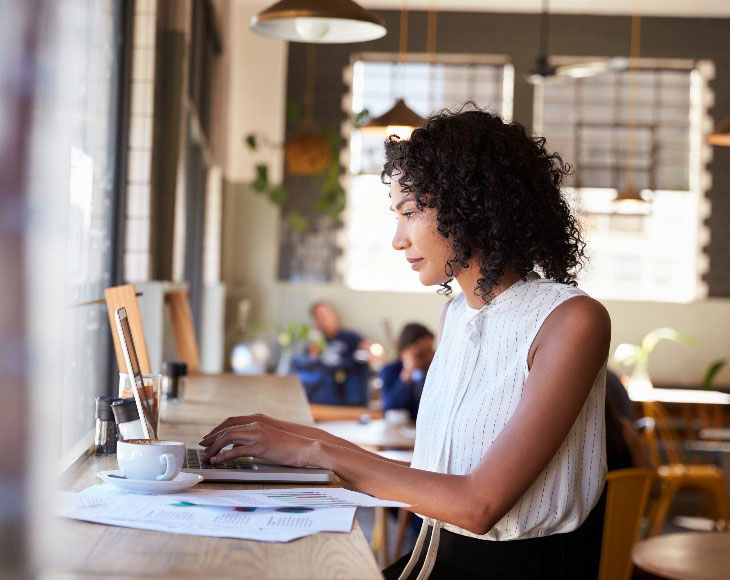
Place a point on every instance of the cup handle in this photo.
(172, 469)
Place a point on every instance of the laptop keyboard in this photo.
(193, 461)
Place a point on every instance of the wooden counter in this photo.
(101, 550)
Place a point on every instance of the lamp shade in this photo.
(400, 119)
(721, 135)
(321, 21)
(629, 201)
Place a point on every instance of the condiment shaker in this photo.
(127, 419)
(105, 436)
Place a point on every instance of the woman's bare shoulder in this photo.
(580, 319)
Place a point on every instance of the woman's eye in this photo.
(408, 214)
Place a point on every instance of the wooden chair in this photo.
(626, 498)
(126, 296)
(676, 473)
(182, 324)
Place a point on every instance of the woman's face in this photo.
(426, 250)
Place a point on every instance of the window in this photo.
(377, 80)
(78, 116)
(642, 129)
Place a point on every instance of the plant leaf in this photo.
(297, 222)
(277, 195)
(261, 181)
(362, 118)
(251, 141)
(712, 371)
(653, 337)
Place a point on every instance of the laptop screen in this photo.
(133, 368)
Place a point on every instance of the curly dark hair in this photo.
(496, 192)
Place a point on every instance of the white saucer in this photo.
(181, 482)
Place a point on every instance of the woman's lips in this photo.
(414, 262)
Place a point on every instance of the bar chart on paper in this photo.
(307, 498)
(321, 497)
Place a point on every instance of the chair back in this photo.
(126, 296)
(665, 432)
(182, 325)
(626, 498)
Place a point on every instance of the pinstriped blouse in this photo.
(473, 387)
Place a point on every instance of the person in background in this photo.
(343, 347)
(336, 369)
(404, 378)
(624, 448)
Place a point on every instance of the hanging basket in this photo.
(307, 152)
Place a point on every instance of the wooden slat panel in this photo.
(182, 324)
(126, 296)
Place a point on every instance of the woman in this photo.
(509, 463)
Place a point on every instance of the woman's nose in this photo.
(400, 240)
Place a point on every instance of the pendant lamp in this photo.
(629, 200)
(400, 119)
(321, 21)
(721, 135)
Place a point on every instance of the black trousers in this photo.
(571, 556)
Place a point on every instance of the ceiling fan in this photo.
(544, 72)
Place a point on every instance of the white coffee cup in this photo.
(150, 459)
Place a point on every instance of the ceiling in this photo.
(680, 8)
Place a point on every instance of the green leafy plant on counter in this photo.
(292, 339)
(636, 356)
(293, 333)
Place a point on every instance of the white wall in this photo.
(256, 91)
(257, 103)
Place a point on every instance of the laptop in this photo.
(244, 469)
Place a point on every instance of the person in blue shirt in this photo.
(403, 379)
(336, 370)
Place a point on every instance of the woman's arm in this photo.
(568, 353)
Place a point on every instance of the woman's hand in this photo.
(259, 439)
(269, 431)
(293, 428)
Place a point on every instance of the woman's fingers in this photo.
(243, 435)
(233, 421)
(209, 439)
(227, 423)
(236, 451)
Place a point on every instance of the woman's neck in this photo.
(468, 277)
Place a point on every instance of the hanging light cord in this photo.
(633, 70)
(431, 33)
(309, 87)
(403, 46)
(544, 30)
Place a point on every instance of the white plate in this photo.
(181, 482)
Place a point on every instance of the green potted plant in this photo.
(635, 357)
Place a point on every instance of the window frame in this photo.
(700, 153)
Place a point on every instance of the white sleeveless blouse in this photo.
(473, 387)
